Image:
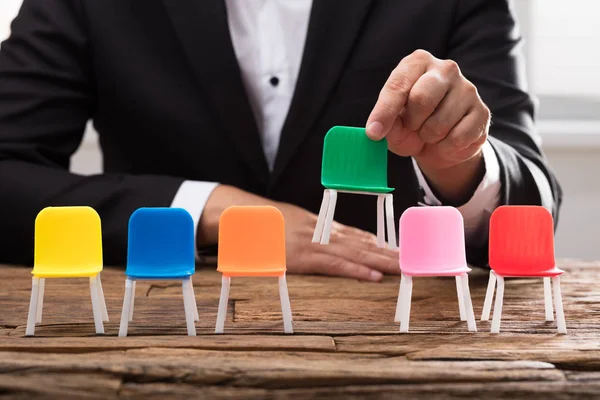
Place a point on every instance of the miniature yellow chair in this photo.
(252, 243)
(68, 244)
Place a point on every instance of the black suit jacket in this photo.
(160, 80)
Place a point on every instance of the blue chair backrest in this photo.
(161, 243)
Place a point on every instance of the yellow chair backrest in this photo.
(68, 242)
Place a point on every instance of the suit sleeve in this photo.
(46, 98)
(485, 42)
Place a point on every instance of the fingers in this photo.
(424, 98)
(332, 265)
(358, 236)
(472, 129)
(354, 252)
(404, 142)
(368, 256)
(448, 114)
(361, 247)
(395, 93)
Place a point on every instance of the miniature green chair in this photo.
(353, 163)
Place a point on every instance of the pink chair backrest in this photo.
(521, 240)
(432, 239)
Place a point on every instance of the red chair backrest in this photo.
(521, 240)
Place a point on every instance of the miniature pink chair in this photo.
(432, 243)
(522, 245)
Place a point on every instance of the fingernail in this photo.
(375, 275)
(375, 130)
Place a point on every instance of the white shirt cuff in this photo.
(476, 212)
(192, 197)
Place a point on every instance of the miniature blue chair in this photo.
(160, 246)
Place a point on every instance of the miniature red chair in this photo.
(432, 243)
(522, 245)
(252, 243)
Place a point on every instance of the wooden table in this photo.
(345, 345)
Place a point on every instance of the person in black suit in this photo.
(171, 90)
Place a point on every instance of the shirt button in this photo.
(274, 81)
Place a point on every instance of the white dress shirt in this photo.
(268, 38)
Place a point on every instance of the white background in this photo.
(563, 50)
(8, 10)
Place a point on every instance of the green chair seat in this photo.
(358, 188)
(353, 162)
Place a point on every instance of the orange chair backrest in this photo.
(251, 241)
(521, 240)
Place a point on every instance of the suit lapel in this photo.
(201, 26)
(332, 33)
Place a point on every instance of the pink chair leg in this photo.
(405, 305)
(472, 326)
(461, 298)
(399, 302)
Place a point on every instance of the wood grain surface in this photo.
(345, 342)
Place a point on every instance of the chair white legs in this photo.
(286, 309)
(498, 305)
(385, 216)
(465, 306)
(391, 226)
(489, 296)
(468, 304)
(127, 310)
(550, 284)
(189, 304)
(400, 291)
(222, 313)
(380, 222)
(36, 304)
(102, 300)
(321, 220)
(548, 300)
(132, 302)
(96, 306)
(193, 298)
(461, 299)
(40, 306)
(330, 211)
(558, 305)
(33, 306)
(405, 300)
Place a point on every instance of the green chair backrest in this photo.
(352, 161)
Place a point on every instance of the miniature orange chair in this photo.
(252, 243)
(522, 245)
(68, 244)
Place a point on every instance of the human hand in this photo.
(428, 110)
(351, 253)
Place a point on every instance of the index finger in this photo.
(393, 96)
